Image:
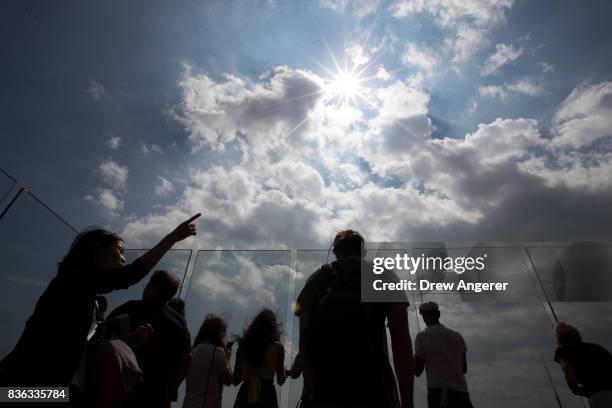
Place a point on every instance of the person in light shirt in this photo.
(441, 352)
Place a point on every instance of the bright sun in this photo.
(345, 86)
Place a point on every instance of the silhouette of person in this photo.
(210, 369)
(166, 346)
(343, 340)
(587, 366)
(50, 348)
(259, 358)
(442, 353)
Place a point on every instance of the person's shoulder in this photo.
(313, 282)
(317, 275)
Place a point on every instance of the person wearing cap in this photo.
(441, 352)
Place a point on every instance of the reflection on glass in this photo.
(33, 242)
(237, 285)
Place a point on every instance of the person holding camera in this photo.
(210, 369)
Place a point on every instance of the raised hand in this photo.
(184, 229)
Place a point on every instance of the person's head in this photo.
(178, 305)
(162, 285)
(566, 334)
(263, 330)
(94, 248)
(430, 312)
(212, 330)
(348, 243)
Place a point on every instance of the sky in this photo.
(284, 122)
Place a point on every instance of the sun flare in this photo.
(344, 86)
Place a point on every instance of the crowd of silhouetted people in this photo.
(138, 354)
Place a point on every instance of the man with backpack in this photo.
(167, 346)
(343, 340)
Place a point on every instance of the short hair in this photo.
(567, 334)
(347, 243)
(429, 308)
(166, 284)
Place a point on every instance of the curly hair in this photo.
(213, 329)
(262, 331)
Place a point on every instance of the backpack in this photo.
(345, 341)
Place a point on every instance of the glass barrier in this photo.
(33, 241)
(576, 280)
(237, 285)
(509, 335)
(7, 183)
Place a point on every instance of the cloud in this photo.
(523, 86)
(264, 115)
(584, 116)
(421, 59)
(114, 174)
(357, 55)
(152, 148)
(467, 22)
(492, 91)
(382, 171)
(503, 54)
(114, 142)
(97, 90)
(383, 74)
(546, 67)
(359, 8)
(106, 199)
(163, 187)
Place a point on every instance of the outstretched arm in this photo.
(107, 280)
(402, 352)
(184, 230)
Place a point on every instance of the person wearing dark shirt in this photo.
(343, 340)
(587, 367)
(169, 343)
(50, 348)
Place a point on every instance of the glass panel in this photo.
(576, 279)
(33, 242)
(175, 261)
(6, 186)
(237, 285)
(507, 334)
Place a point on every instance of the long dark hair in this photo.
(82, 251)
(262, 331)
(213, 328)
